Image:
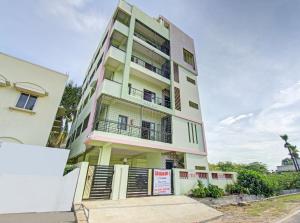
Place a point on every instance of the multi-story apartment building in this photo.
(140, 102)
(29, 100)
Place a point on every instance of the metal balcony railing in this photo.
(162, 48)
(132, 130)
(162, 72)
(149, 97)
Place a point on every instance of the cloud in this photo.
(257, 137)
(76, 14)
(233, 119)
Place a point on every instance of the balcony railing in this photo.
(162, 48)
(163, 72)
(149, 97)
(132, 130)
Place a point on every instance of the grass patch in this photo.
(275, 206)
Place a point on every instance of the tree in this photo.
(257, 166)
(69, 102)
(292, 151)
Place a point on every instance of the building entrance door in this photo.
(169, 164)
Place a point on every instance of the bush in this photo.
(236, 189)
(286, 181)
(214, 191)
(199, 191)
(257, 183)
(210, 191)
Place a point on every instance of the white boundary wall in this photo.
(31, 179)
(185, 180)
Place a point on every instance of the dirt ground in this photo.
(262, 211)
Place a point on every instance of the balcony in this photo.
(165, 72)
(149, 96)
(152, 38)
(133, 131)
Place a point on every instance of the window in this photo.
(214, 175)
(183, 175)
(200, 167)
(26, 101)
(193, 105)
(122, 122)
(192, 132)
(85, 122)
(188, 125)
(177, 99)
(103, 41)
(201, 175)
(228, 176)
(149, 95)
(176, 72)
(148, 130)
(188, 58)
(99, 62)
(191, 80)
(196, 134)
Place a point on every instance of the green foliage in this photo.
(236, 189)
(234, 167)
(210, 191)
(257, 183)
(70, 99)
(68, 169)
(286, 181)
(199, 191)
(214, 191)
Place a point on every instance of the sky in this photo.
(248, 58)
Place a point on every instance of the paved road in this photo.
(293, 219)
(51, 217)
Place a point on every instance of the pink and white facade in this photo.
(140, 103)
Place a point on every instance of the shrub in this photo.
(256, 183)
(214, 191)
(199, 191)
(286, 181)
(236, 189)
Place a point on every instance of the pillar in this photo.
(104, 155)
(119, 183)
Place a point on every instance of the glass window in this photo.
(149, 95)
(193, 105)
(188, 58)
(26, 101)
(122, 122)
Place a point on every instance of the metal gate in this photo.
(102, 182)
(137, 185)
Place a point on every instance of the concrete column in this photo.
(104, 155)
(176, 181)
(128, 56)
(119, 183)
(81, 181)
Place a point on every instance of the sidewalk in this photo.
(49, 217)
(167, 209)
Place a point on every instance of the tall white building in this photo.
(140, 102)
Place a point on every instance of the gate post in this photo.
(119, 183)
(176, 181)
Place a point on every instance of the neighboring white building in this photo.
(287, 165)
(29, 98)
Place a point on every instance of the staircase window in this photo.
(177, 99)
